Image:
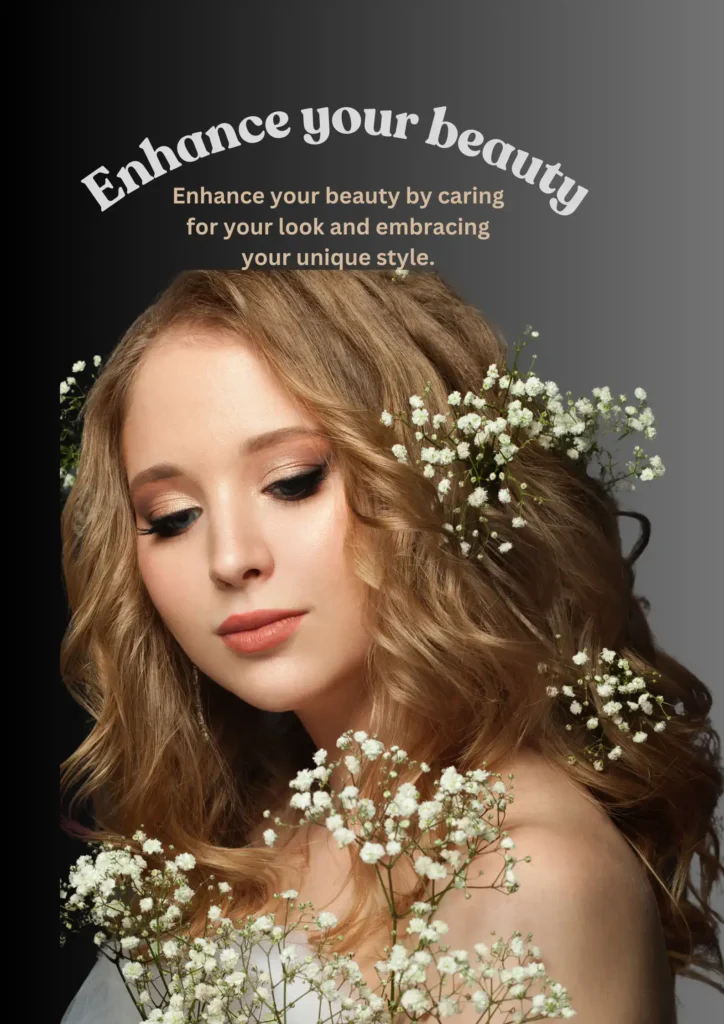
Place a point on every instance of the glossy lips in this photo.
(260, 630)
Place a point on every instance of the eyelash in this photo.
(306, 484)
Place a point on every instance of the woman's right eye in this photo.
(171, 525)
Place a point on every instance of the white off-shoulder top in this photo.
(103, 998)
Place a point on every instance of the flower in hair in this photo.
(469, 451)
(611, 695)
(72, 397)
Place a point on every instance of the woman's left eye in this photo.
(296, 488)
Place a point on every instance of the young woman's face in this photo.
(247, 518)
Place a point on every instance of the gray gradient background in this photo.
(625, 291)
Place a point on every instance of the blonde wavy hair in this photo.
(455, 645)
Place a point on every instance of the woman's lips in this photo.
(251, 641)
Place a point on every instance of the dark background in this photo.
(625, 291)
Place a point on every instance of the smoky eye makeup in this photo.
(171, 524)
(298, 483)
(295, 486)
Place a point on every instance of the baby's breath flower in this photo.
(371, 748)
(372, 852)
(205, 968)
(610, 677)
(520, 409)
(478, 497)
(343, 837)
(415, 1002)
(303, 780)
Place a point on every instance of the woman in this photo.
(252, 573)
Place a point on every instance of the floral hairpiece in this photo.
(474, 450)
(72, 397)
(611, 691)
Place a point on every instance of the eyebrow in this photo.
(166, 470)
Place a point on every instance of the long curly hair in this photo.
(455, 644)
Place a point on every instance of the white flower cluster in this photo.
(212, 978)
(72, 396)
(385, 832)
(468, 454)
(141, 911)
(485, 974)
(611, 692)
(69, 382)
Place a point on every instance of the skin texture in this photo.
(198, 399)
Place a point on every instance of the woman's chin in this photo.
(274, 697)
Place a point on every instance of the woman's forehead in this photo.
(189, 393)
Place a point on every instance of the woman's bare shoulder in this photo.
(543, 791)
(584, 895)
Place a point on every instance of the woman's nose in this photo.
(239, 549)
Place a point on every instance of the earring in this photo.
(197, 702)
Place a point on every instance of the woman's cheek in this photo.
(331, 520)
(168, 578)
